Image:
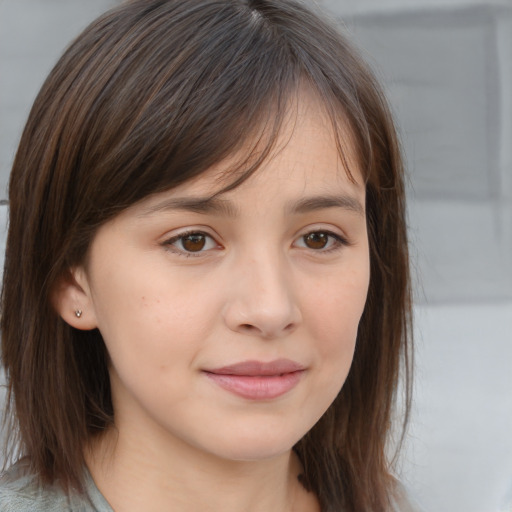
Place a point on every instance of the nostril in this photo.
(248, 328)
(254, 329)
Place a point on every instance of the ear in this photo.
(72, 300)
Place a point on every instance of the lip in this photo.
(257, 380)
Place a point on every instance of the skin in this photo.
(258, 289)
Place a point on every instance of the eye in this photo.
(191, 242)
(323, 241)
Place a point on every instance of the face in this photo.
(231, 323)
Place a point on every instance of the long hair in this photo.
(150, 95)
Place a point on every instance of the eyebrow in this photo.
(220, 206)
(309, 204)
(202, 205)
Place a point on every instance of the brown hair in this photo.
(150, 95)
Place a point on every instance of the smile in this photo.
(255, 380)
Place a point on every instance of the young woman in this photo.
(206, 296)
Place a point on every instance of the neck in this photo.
(134, 473)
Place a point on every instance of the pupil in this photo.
(316, 240)
(193, 243)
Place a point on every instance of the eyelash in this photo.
(337, 243)
(169, 244)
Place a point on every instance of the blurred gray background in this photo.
(447, 68)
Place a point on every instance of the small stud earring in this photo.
(78, 313)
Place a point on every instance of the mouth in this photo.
(256, 380)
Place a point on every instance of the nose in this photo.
(262, 301)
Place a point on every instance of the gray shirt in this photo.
(20, 492)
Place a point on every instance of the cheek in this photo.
(334, 314)
(131, 315)
(335, 309)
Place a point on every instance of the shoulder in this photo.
(21, 491)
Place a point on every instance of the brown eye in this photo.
(316, 240)
(322, 242)
(194, 242)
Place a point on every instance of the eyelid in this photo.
(169, 242)
(340, 240)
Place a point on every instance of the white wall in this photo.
(447, 66)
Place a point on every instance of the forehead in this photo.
(303, 171)
(305, 154)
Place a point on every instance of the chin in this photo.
(256, 444)
(256, 452)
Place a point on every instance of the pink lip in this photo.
(257, 380)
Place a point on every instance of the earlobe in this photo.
(72, 300)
